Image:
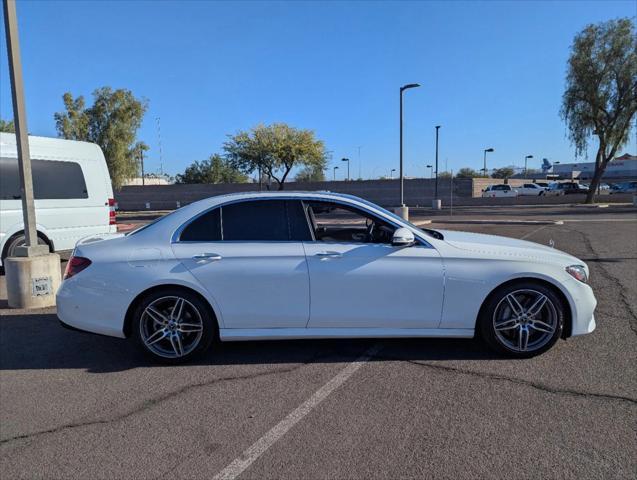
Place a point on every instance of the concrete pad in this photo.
(32, 282)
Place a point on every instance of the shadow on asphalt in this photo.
(38, 341)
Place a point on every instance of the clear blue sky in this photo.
(492, 73)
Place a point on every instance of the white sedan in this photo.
(278, 265)
(530, 189)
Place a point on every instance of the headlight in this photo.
(578, 272)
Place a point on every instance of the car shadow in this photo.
(38, 341)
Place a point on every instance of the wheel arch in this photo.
(41, 234)
(128, 317)
(568, 309)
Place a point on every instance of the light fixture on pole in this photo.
(525, 160)
(431, 171)
(391, 173)
(334, 172)
(403, 210)
(486, 150)
(346, 160)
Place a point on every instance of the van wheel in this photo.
(16, 241)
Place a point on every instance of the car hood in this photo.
(494, 245)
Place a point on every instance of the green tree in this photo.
(504, 172)
(444, 175)
(601, 91)
(274, 150)
(310, 174)
(215, 169)
(7, 126)
(112, 123)
(467, 173)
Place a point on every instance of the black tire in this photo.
(160, 351)
(504, 340)
(17, 240)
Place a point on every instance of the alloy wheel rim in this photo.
(171, 327)
(525, 320)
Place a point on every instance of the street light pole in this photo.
(30, 247)
(334, 172)
(402, 186)
(431, 171)
(346, 160)
(391, 173)
(436, 184)
(32, 273)
(141, 161)
(525, 160)
(485, 159)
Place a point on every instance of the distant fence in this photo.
(418, 192)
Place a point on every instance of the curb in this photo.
(498, 222)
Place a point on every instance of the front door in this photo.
(243, 255)
(359, 280)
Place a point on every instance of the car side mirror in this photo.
(403, 237)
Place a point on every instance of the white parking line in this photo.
(258, 448)
(533, 232)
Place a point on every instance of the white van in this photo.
(72, 190)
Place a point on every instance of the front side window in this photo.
(333, 222)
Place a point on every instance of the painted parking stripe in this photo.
(258, 448)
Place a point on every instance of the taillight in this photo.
(112, 220)
(75, 266)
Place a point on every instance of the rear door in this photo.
(251, 260)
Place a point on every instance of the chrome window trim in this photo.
(177, 233)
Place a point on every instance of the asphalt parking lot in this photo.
(75, 405)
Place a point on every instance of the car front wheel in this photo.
(173, 326)
(522, 320)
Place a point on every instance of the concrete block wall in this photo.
(418, 192)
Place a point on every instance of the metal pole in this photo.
(31, 247)
(485, 163)
(348, 177)
(141, 159)
(402, 196)
(161, 161)
(436, 185)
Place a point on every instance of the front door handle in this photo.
(210, 257)
(329, 255)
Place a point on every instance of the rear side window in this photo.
(206, 228)
(52, 180)
(262, 220)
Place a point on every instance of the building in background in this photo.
(150, 179)
(621, 168)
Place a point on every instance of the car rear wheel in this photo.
(173, 326)
(522, 320)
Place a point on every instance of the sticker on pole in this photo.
(41, 286)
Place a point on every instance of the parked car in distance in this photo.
(625, 187)
(565, 188)
(72, 190)
(530, 189)
(499, 191)
(283, 265)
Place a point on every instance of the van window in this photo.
(52, 180)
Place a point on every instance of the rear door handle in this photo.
(210, 257)
(328, 255)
